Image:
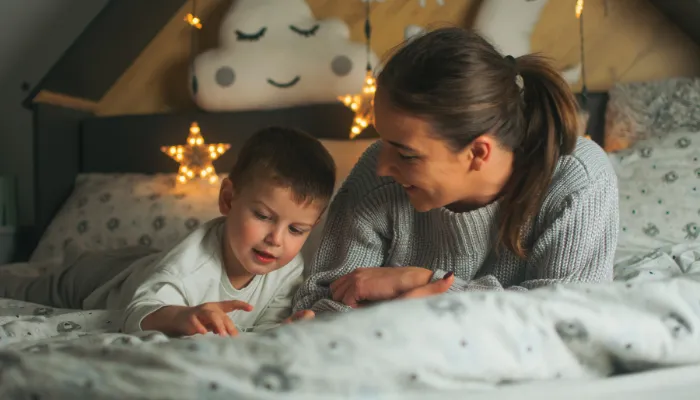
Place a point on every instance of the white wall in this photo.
(34, 35)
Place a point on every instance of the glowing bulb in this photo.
(181, 178)
(192, 141)
(210, 169)
(354, 106)
(579, 8)
(190, 174)
(355, 130)
(180, 149)
(213, 155)
(213, 179)
(212, 149)
(172, 150)
(203, 173)
(179, 156)
(194, 21)
(220, 149)
(183, 169)
(200, 141)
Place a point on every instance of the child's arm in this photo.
(160, 291)
(161, 303)
(186, 321)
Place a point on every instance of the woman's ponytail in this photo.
(550, 118)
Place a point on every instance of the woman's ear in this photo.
(226, 195)
(479, 152)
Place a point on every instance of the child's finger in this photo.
(219, 326)
(230, 327)
(231, 305)
(303, 314)
(198, 326)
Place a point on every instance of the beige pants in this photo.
(74, 280)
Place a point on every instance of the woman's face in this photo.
(432, 174)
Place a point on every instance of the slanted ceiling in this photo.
(626, 40)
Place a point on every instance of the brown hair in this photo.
(292, 158)
(461, 85)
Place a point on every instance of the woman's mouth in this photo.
(263, 257)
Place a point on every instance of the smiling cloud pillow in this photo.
(274, 53)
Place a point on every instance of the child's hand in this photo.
(210, 317)
(300, 315)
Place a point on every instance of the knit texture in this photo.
(371, 223)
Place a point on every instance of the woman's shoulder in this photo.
(587, 168)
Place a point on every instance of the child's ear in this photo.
(226, 194)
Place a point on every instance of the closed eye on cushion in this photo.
(305, 32)
(251, 37)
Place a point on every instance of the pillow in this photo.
(275, 53)
(108, 211)
(659, 185)
(637, 111)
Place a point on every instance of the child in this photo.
(235, 273)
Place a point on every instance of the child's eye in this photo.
(261, 216)
(296, 231)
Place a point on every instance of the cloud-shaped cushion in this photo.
(274, 53)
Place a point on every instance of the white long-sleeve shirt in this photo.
(192, 273)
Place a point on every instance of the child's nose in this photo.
(274, 238)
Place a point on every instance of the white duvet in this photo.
(649, 319)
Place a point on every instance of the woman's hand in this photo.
(377, 284)
(431, 289)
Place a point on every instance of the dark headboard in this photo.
(69, 142)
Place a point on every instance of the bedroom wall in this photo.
(36, 34)
(626, 40)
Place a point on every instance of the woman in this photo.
(480, 177)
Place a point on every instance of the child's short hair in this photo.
(292, 158)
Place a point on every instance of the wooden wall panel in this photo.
(633, 41)
(629, 41)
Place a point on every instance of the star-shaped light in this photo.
(362, 104)
(196, 157)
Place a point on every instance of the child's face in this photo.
(265, 226)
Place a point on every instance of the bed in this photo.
(639, 335)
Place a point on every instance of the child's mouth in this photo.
(263, 256)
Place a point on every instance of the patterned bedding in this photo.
(649, 318)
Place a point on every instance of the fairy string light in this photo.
(363, 103)
(584, 89)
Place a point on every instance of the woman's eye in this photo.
(250, 37)
(406, 157)
(304, 32)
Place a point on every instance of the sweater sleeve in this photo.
(349, 241)
(577, 243)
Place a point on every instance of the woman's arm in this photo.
(349, 241)
(576, 245)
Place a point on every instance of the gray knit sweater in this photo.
(371, 223)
